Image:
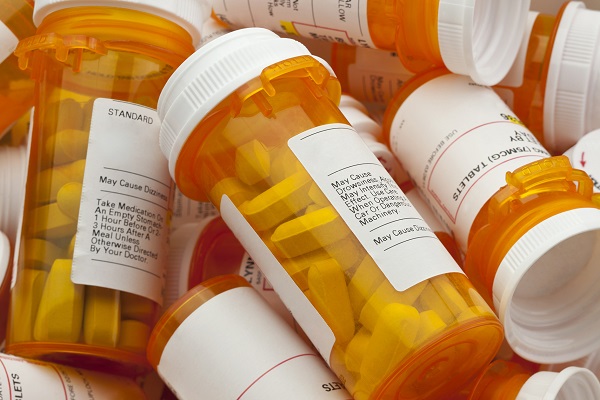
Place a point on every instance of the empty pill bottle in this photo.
(584, 155)
(265, 141)
(203, 250)
(526, 221)
(207, 344)
(505, 380)
(372, 134)
(591, 362)
(93, 248)
(13, 171)
(16, 87)
(40, 380)
(475, 38)
(554, 84)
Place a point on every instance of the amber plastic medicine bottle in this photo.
(93, 248)
(554, 84)
(476, 38)
(250, 121)
(201, 346)
(527, 221)
(16, 88)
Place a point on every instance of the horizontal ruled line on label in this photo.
(168, 186)
(127, 265)
(135, 197)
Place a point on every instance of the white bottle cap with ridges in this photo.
(211, 74)
(4, 256)
(570, 383)
(189, 14)
(548, 310)
(572, 97)
(481, 38)
(358, 116)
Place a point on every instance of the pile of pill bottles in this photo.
(86, 360)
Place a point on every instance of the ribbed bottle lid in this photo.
(572, 96)
(570, 383)
(481, 38)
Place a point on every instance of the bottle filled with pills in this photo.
(93, 247)
(251, 122)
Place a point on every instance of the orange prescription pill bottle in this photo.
(40, 380)
(221, 340)
(251, 122)
(186, 210)
(372, 133)
(476, 38)
(531, 237)
(206, 249)
(553, 86)
(93, 248)
(584, 155)
(505, 380)
(16, 88)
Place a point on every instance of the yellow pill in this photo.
(50, 222)
(444, 299)
(20, 129)
(60, 314)
(101, 316)
(317, 195)
(235, 189)
(347, 252)
(69, 114)
(68, 199)
(283, 164)
(67, 146)
(367, 278)
(310, 232)
(430, 326)
(453, 299)
(392, 339)
(474, 312)
(312, 208)
(25, 300)
(51, 180)
(71, 247)
(329, 295)
(134, 336)
(356, 349)
(384, 295)
(278, 203)
(40, 254)
(252, 162)
(138, 308)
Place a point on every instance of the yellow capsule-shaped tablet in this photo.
(431, 324)
(393, 337)
(134, 336)
(441, 296)
(329, 295)
(252, 162)
(68, 199)
(356, 349)
(60, 314)
(101, 316)
(317, 195)
(384, 295)
(283, 164)
(310, 232)
(235, 189)
(25, 300)
(50, 180)
(367, 278)
(69, 114)
(66, 146)
(138, 308)
(50, 222)
(278, 203)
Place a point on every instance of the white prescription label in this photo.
(211, 353)
(256, 278)
(341, 21)
(585, 155)
(459, 158)
(122, 231)
(29, 379)
(376, 75)
(8, 42)
(372, 205)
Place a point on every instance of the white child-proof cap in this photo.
(551, 313)
(572, 96)
(572, 383)
(481, 38)
(211, 74)
(13, 170)
(189, 14)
